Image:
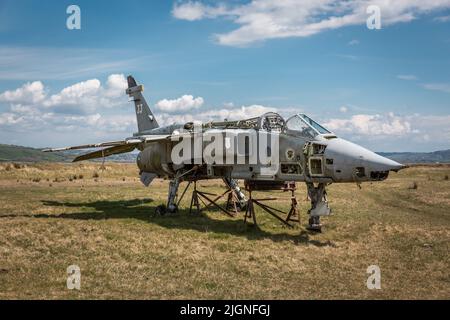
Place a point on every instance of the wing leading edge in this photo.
(111, 147)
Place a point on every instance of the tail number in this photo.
(139, 108)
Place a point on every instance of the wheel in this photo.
(314, 225)
(160, 210)
(172, 209)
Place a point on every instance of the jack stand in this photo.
(250, 212)
(195, 200)
(233, 203)
(293, 213)
(204, 198)
(236, 198)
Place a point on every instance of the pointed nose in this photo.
(349, 156)
(383, 163)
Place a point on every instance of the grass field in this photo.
(56, 215)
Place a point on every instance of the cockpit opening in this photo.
(306, 126)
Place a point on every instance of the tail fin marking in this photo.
(145, 118)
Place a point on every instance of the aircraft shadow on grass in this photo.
(139, 209)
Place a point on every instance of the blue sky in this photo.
(387, 89)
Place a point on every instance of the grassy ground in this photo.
(56, 215)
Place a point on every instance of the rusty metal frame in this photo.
(293, 212)
(205, 198)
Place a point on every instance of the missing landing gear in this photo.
(319, 205)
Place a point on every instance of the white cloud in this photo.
(231, 113)
(116, 85)
(442, 19)
(88, 96)
(444, 87)
(75, 107)
(185, 102)
(189, 11)
(192, 11)
(261, 20)
(36, 117)
(31, 92)
(76, 94)
(407, 77)
(353, 42)
(389, 132)
(371, 125)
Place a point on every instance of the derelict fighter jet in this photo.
(263, 151)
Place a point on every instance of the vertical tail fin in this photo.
(145, 118)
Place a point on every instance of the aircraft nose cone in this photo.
(353, 154)
(388, 163)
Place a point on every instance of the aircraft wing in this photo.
(105, 152)
(151, 138)
(111, 147)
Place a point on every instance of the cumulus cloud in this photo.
(230, 113)
(89, 95)
(36, 117)
(80, 106)
(260, 20)
(390, 132)
(31, 92)
(116, 85)
(413, 132)
(85, 108)
(185, 102)
(371, 125)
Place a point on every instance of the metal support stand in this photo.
(292, 215)
(207, 200)
(236, 198)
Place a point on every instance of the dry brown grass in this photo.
(106, 226)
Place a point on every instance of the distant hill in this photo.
(11, 153)
(442, 156)
(26, 154)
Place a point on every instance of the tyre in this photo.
(160, 210)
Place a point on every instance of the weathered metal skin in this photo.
(155, 158)
(337, 160)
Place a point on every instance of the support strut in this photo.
(236, 198)
(319, 205)
(292, 215)
(172, 196)
(208, 200)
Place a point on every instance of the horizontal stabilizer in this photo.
(105, 152)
